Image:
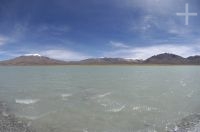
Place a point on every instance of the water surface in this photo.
(101, 98)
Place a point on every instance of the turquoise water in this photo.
(101, 98)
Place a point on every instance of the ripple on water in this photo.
(65, 96)
(26, 101)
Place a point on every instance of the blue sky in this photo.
(79, 29)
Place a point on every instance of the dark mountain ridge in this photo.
(194, 60)
(166, 59)
(161, 59)
(172, 59)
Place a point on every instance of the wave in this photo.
(26, 101)
(117, 109)
(37, 117)
(189, 95)
(144, 108)
(183, 83)
(104, 95)
(64, 96)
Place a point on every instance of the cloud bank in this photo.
(148, 51)
(66, 55)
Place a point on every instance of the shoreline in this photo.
(10, 123)
(131, 65)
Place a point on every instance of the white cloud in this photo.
(118, 45)
(160, 16)
(145, 23)
(63, 54)
(153, 6)
(52, 29)
(3, 40)
(60, 54)
(148, 51)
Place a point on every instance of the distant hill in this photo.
(161, 59)
(32, 60)
(195, 60)
(109, 61)
(41, 60)
(167, 59)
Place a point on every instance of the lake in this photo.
(101, 98)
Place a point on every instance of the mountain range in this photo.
(161, 59)
(32, 60)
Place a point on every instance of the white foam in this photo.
(144, 108)
(135, 108)
(104, 95)
(85, 130)
(117, 109)
(29, 117)
(189, 95)
(37, 117)
(105, 105)
(183, 84)
(26, 101)
(64, 96)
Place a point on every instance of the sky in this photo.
(80, 29)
